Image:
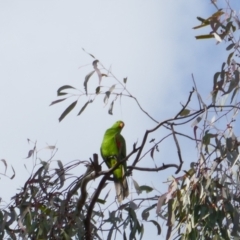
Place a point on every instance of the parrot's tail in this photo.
(121, 187)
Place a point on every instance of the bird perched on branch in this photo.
(113, 150)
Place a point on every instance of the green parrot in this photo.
(113, 149)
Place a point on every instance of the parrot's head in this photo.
(118, 125)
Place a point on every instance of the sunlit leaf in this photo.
(217, 37)
(161, 201)
(185, 112)
(67, 111)
(207, 36)
(86, 80)
(57, 101)
(196, 121)
(59, 91)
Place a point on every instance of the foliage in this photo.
(203, 203)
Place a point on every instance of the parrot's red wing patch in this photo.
(118, 144)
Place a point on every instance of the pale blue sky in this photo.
(150, 42)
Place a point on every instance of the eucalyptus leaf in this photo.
(67, 111)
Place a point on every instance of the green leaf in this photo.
(57, 101)
(157, 225)
(146, 188)
(207, 36)
(229, 58)
(67, 111)
(229, 47)
(84, 106)
(101, 201)
(86, 80)
(185, 112)
(59, 91)
(206, 138)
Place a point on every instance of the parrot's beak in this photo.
(121, 125)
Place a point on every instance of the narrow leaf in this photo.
(57, 101)
(230, 57)
(86, 80)
(152, 153)
(234, 93)
(5, 164)
(97, 70)
(111, 108)
(161, 201)
(157, 225)
(204, 36)
(215, 78)
(84, 106)
(59, 91)
(13, 173)
(88, 53)
(67, 111)
(217, 37)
